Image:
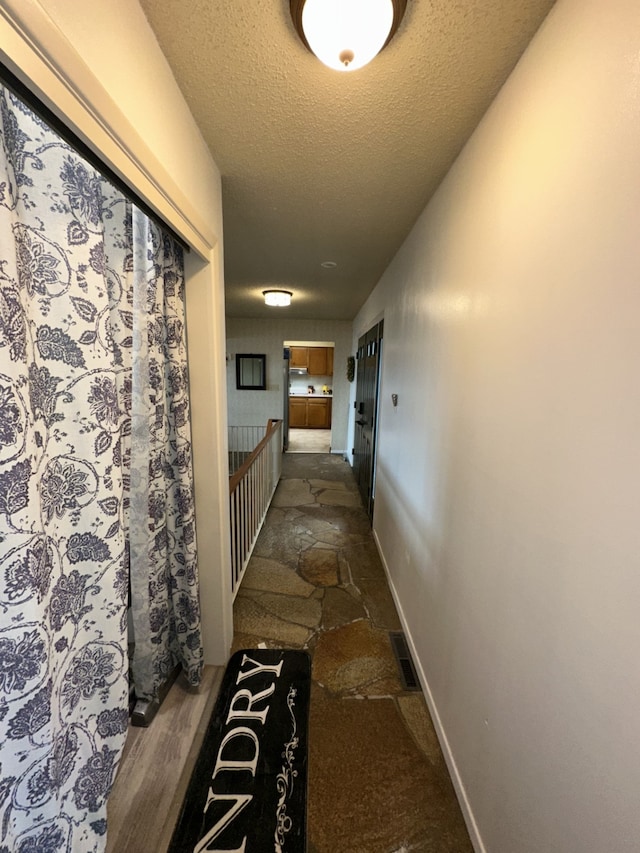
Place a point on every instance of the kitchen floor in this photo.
(309, 441)
(378, 782)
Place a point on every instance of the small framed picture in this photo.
(251, 372)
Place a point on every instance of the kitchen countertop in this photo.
(305, 394)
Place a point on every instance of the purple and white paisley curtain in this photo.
(72, 285)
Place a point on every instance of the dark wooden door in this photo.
(367, 384)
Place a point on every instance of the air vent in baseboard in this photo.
(408, 675)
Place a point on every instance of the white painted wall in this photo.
(508, 492)
(99, 67)
(245, 335)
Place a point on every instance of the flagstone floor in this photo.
(377, 780)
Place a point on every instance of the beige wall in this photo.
(99, 67)
(507, 499)
(249, 408)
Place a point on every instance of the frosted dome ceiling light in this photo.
(279, 298)
(346, 34)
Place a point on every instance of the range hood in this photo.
(299, 371)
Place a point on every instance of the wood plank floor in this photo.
(156, 767)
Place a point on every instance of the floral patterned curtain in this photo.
(71, 289)
(166, 614)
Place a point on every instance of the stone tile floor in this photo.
(377, 780)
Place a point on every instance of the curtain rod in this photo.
(18, 88)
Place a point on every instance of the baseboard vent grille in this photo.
(406, 668)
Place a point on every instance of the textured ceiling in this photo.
(318, 165)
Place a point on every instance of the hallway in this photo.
(377, 779)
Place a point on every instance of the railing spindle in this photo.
(251, 488)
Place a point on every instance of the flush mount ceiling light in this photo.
(280, 298)
(346, 34)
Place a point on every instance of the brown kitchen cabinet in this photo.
(297, 411)
(318, 413)
(298, 356)
(310, 412)
(329, 361)
(317, 360)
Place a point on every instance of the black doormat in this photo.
(248, 789)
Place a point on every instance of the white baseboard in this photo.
(459, 788)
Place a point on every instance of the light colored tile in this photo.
(309, 441)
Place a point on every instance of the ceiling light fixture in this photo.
(346, 34)
(279, 298)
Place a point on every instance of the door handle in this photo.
(361, 421)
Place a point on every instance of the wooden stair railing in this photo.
(251, 489)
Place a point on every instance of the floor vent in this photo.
(407, 670)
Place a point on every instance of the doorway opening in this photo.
(308, 403)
